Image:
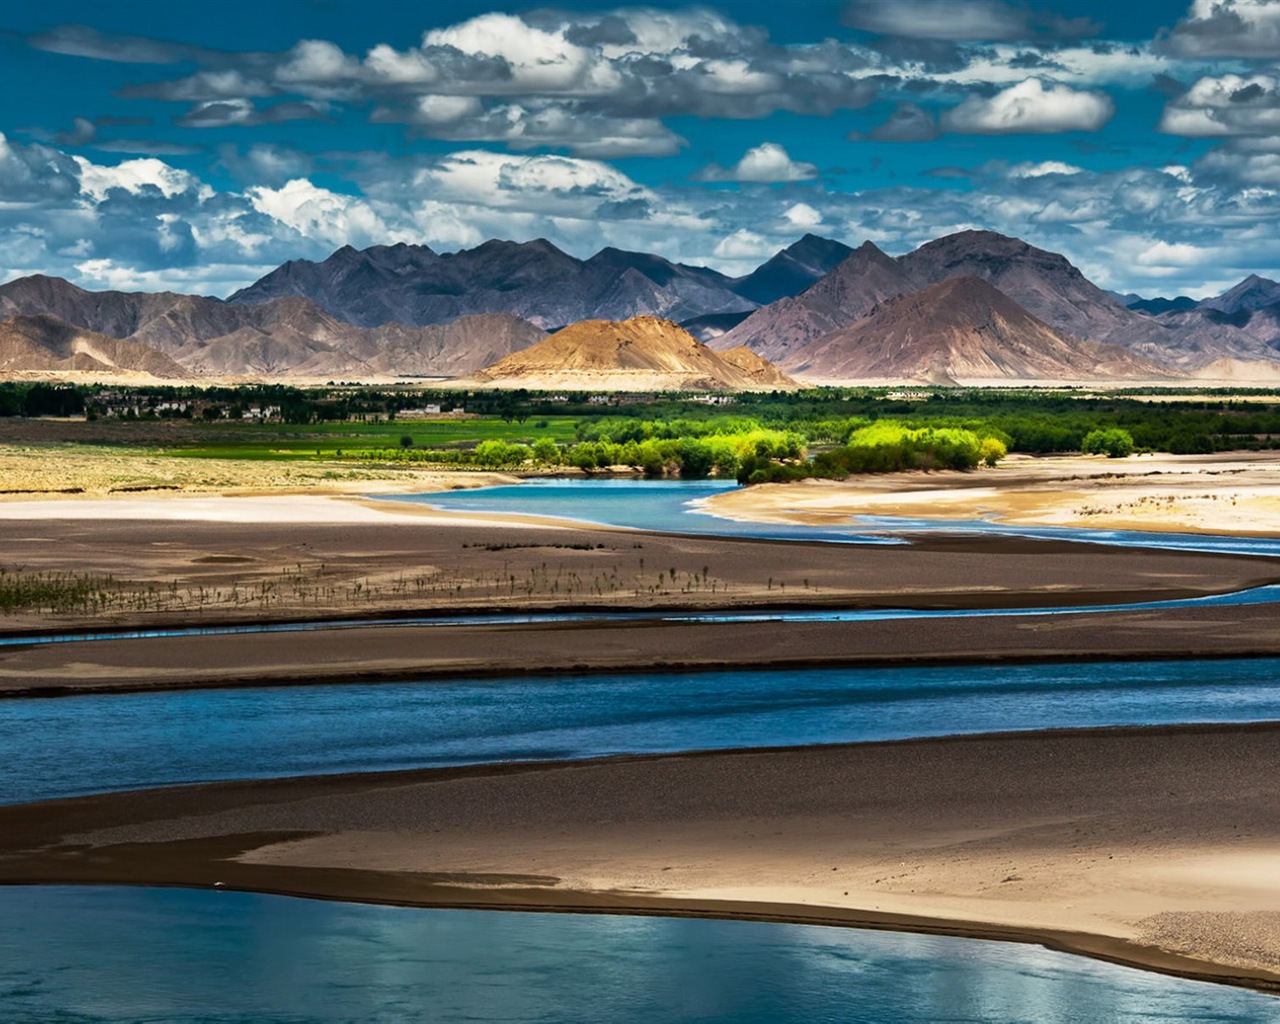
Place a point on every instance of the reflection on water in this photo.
(114, 955)
(64, 746)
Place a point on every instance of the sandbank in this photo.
(1233, 493)
(1154, 847)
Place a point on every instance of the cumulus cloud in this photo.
(1030, 107)
(597, 83)
(132, 176)
(1225, 106)
(1227, 28)
(320, 213)
(768, 163)
(35, 173)
(802, 215)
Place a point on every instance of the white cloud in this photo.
(743, 245)
(388, 64)
(434, 109)
(1178, 254)
(132, 176)
(319, 213)
(767, 163)
(539, 60)
(802, 215)
(737, 77)
(35, 173)
(1029, 107)
(318, 61)
(1225, 106)
(1039, 170)
(1228, 28)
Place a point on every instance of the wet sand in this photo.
(1153, 847)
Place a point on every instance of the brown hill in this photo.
(961, 329)
(44, 344)
(644, 353)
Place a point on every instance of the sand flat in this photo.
(1092, 840)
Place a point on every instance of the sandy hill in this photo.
(44, 344)
(644, 353)
(961, 329)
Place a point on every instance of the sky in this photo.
(194, 147)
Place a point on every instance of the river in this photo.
(81, 955)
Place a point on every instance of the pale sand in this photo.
(1236, 494)
(1113, 843)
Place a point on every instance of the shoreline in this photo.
(436, 838)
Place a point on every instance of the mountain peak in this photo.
(959, 328)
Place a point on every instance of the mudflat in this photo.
(1149, 846)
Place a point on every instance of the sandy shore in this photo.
(1154, 847)
(1234, 493)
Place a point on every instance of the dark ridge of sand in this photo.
(1098, 842)
(375, 653)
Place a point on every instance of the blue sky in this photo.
(193, 147)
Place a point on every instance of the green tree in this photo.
(1113, 442)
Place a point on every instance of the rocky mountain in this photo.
(1043, 283)
(853, 289)
(287, 337)
(414, 285)
(792, 270)
(44, 344)
(640, 354)
(961, 329)
(1250, 295)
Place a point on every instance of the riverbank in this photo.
(211, 560)
(1233, 493)
(1142, 846)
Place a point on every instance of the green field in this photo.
(326, 440)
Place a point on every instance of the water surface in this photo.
(668, 506)
(109, 956)
(52, 747)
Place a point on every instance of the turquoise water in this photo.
(55, 747)
(230, 958)
(665, 505)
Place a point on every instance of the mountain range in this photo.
(1046, 285)
(817, 308)
(413, 285)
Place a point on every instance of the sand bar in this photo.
(1235, 493)
(1154, 847)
